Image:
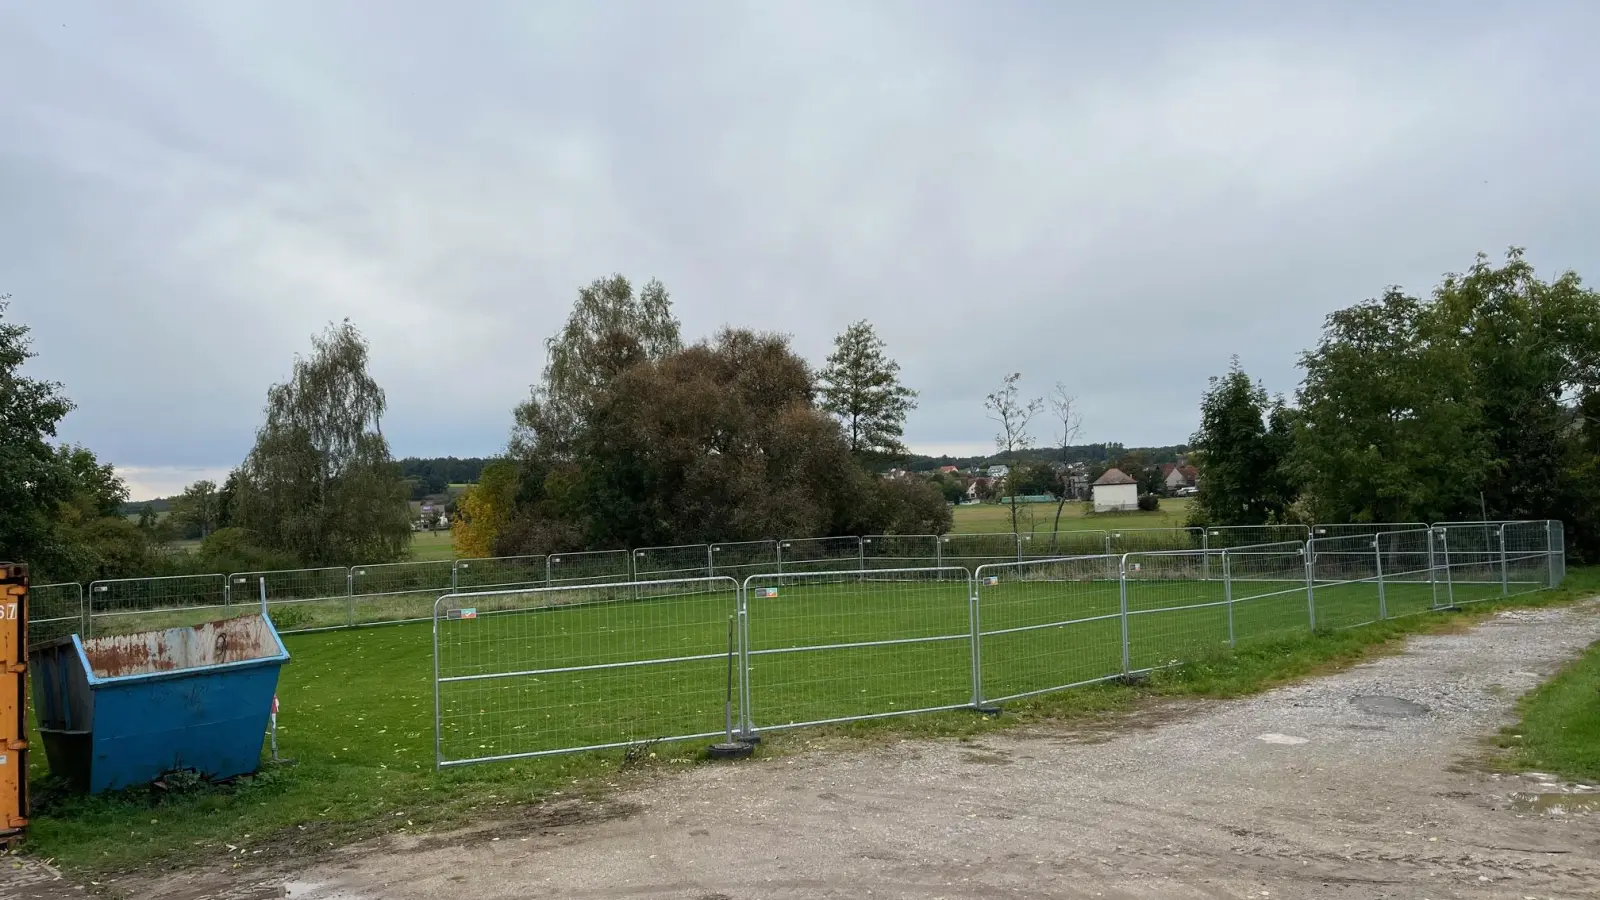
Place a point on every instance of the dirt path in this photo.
(1301, 792)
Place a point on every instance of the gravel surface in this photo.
(1311, 790)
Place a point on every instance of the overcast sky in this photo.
(1118, 196)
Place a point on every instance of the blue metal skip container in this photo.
(123, 710)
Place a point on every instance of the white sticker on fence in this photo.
(766, 593)
(991, 580)
(467, 613)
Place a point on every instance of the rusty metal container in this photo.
(122, 710)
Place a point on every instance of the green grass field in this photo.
(1559, 731)
(432, 545)
(986, 517)
(357, 705)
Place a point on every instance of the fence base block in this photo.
(985, 709)
(730, 750)
(749, 737)
(1132, 679)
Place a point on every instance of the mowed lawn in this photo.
(1041, 517)
(432, 545)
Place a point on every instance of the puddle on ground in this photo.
(1395, 707)
(1554, 803)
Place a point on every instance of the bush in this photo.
(1149, 502)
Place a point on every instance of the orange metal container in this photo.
(13, 700)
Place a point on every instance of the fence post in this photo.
(973, 613)
(861, 553)
(1311, 581)
(1205, 562)
(1449, 580)
(263, 580)
(1108, 543)
(938, 551)
(1433, 574)
(350, 597)
(549, 571)
(1017, 538)
(1377, 555)
(1549, 554)
(711, 562)
(1122, 580)
(747, 727)
(1505, 584)
(1227, 594)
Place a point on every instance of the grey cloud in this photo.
(1114, 197)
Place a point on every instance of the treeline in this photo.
(1480, 399)
(432, 477)
(634, 437)
(1103, 454)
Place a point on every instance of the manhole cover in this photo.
(1389, 706)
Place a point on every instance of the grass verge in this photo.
(365, 765)
(1559, 731)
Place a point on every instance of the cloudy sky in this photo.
(1115, 196)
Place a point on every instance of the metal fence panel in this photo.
(839, 646)
(54, 610)
(590, 567)
(1057, 544)
(1527, 557)
(1472, 560)
(1174, 613)
(580, 667)
(1265, 585)
(741, 559)
(1219, 537)
(973, 550)
(500, 572)
(125, 605)
(899, 551)
(398, 592)
(1409, 572)
(825, 554)
(1346, 579)
(1046, 625)
(680, 561)
(297, 599)
(1349, 529)
(1150, 540)
(1558, 551)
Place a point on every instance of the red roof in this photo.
(1114, 476)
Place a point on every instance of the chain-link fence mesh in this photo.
(1045, 625)
(1409, 572)
(1352, 529)
(590, 567)
(398, 592)
(899, 551)
(1221, 537)
(1155, 540)
(970, 551)
(741, 559)
(1058, 544)
(500, 573)
(297, 599)
(580, 667)
(54, 610)
(125, 605)
(1473, 560)
(798, 556)
(836, 646)
(1346, 580)
(679, 561)
(1173, 612)
(1266, 585)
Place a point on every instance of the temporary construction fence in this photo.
(1465, 553)
(54, 610)
(524, 673)
(563, 669)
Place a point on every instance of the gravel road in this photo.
(1309, 791)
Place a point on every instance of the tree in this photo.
(1006, 408)
(1241, 461)
(1065, 407)
(860, 384)
(31, 480)
(485, 510)
(147, 517)
(198, 510)
(319, 483)
(610, 329)
(1388, 427)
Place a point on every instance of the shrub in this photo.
(1149, 502)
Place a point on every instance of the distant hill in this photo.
(1088, 453)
